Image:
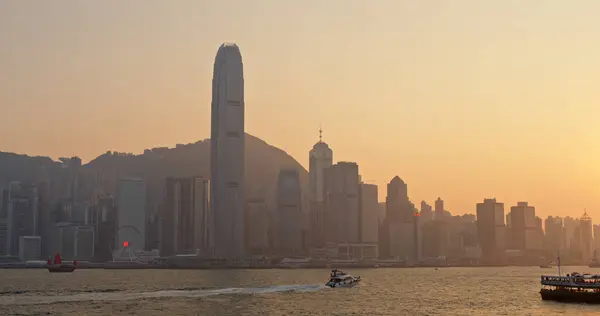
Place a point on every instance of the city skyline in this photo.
(501, 128)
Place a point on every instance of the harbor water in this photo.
(410, 291)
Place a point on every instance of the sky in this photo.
(463, 99)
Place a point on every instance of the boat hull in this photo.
(570, 296)
(343, 284)
(61, 268)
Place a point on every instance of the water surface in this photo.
(426, 291)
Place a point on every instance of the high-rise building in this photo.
(45, 223)
(30, 248)
(22, 215)
(257, 227)
(369, 205)
(290, 222)
(106, 228)
(131, 219)
(524, 234)
(84, 243)
(72, 241)
(342, 215)
(398, 206)
(400, 228)
(571, 236)
(227, 154)
(596, 237)
(554, 240)
(491, 231)
(184, 218)
(587, 238)
(439, 209)
(435, 239)
(4, 250)
(426, 212)
(320, 158)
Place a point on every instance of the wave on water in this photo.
(125, 296)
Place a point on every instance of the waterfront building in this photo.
(227, 154)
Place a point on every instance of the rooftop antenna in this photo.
(320, 134)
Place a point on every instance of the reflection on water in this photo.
(451, 291)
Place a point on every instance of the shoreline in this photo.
(172, 267)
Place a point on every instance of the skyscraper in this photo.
(290, 220)
(257, 226)
(342, 204)
(555, 234)
(131, 218)
(587, 238)
(401, 236)
(491, 230)
(21, 215)
(227, 154)
(523, 228)
(369, 225)
(398, 206)
(426, 212)
(184, 216)
(596, 229)
(439, 209)
(320, 158)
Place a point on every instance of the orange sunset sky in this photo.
(462, 99)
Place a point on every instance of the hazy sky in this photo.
(462, 99)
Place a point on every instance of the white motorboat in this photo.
(342, 279)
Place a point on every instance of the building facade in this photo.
(257, 227)
(342, 206)
(184, 219)
(369, 205)
(491, 231)
(227, 154)
(524, 233)
(131, 218)
(290, 222)
(320, 158)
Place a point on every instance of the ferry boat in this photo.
(582, 288)
(342, 279)
(574, 287)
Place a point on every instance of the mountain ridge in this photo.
(262, 161)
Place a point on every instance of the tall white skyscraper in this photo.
(131, 219)
(227, 154)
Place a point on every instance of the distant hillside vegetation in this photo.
(263, 163)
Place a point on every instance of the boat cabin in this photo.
(574, 282)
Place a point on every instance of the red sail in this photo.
(57, 258)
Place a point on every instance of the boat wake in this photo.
(22, 299)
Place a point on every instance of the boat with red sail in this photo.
(58, 266)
